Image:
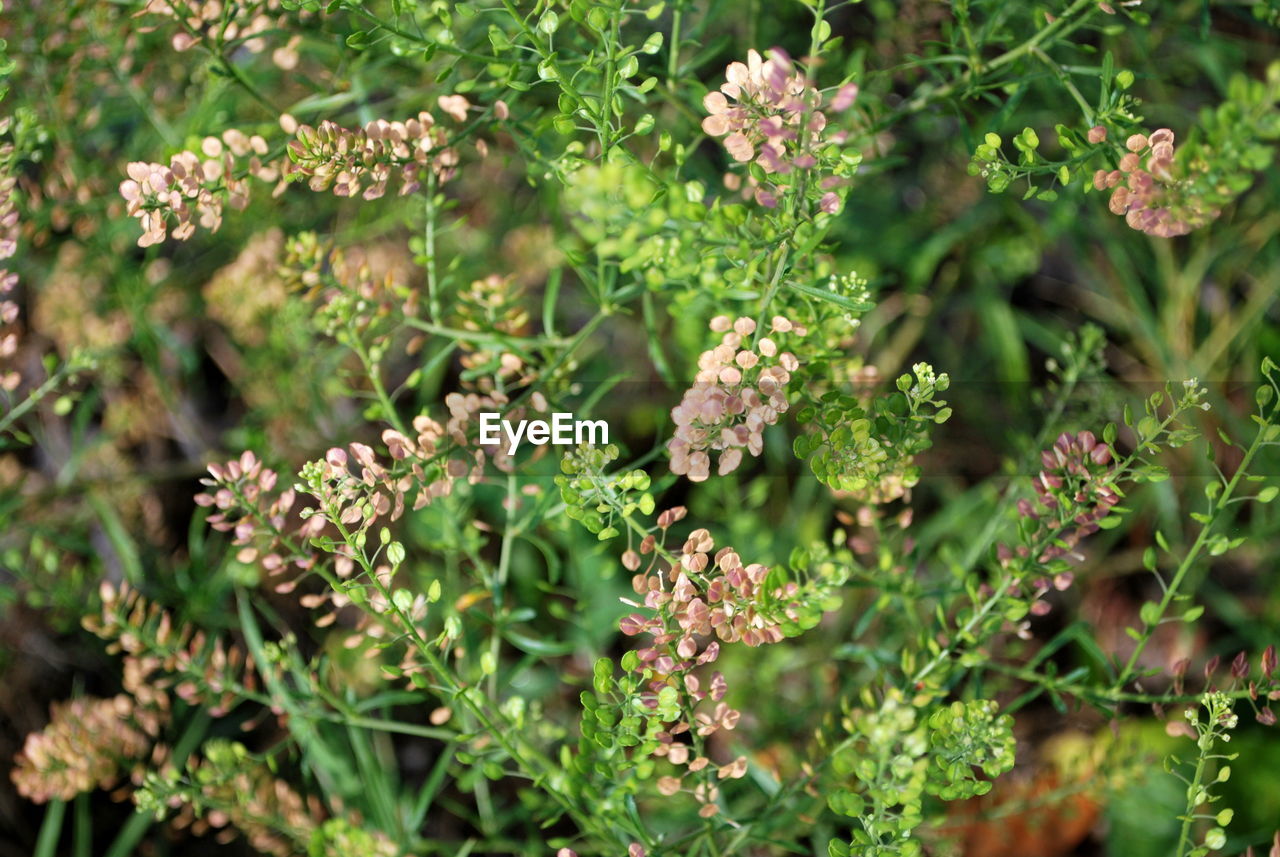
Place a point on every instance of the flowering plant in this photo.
(271, 583)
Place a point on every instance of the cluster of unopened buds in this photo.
(347, 161)
(162, 655)
(1074, 491)
(194, 187)
(85, 746)
(1147, 188)
(740, 389)
(770, 113)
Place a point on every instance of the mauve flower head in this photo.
(193, 188)
(695, 601)
(1154, 196)
(1074, 491)
(768, 112)
(738, 391)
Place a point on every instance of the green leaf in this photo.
(832, 297)
(535, 646)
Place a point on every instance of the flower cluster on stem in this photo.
(770, 115)
(695, 602)
(740, 389)
(84, 746)
(363, 161)
(193, 188)
(1149, 188)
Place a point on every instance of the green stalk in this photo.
(1189, 560)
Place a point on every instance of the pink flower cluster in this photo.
(726, 602)
(768, 112)
(86, 744)
(194, 187)
(1074, 490)
(701, 596)
(243, 492)
(357, 490)
(346, 160)
(353, 490)
(1152, 197)
(740, 388)
(9, 378)
(162, 654)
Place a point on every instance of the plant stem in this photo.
(1189, 560)
(673, 49)
(774, 283)
(1062, 26)
(1193, 789)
